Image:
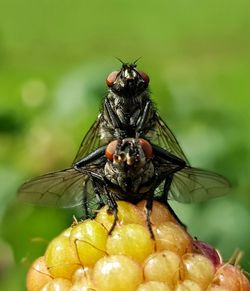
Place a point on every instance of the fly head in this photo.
(129, 163)
(128, 82)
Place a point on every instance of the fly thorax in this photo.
(128, 110)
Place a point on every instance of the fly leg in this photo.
(149, 203)
(92, 157)
(164, 198)
(112, 208)
(98, 179)
(149, 206)
(112, 205)
(178, 164)
(96, 190)
(113, 118)
(143, 120)
(87, 210)
(79, 166)
(168, 157)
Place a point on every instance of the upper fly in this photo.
(128, 111)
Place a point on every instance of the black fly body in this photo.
(128, 111)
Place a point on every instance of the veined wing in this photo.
(196, 185)
(164, 138)
(62, 189)
(90, 142)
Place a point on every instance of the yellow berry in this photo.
(171, 236)
(82, 273)
(217, 288)
(61, 257)
(154, 286)
(163, 266)
(38, 275)
(83, 286)
(198, 268)
(131, 240)
(127, 213)
(82, 280)
(159, 213)
(89, 239)
(67, 232)
(188, 285)
(117, 273)
(57, 284)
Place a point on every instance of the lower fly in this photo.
(130, 169)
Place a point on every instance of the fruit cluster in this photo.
(86, 257)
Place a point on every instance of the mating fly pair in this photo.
(128, 154)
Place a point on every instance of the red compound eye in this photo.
(110, 150)
(111, 78)
(144, 76)
(147, 148)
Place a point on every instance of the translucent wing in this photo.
(90, 142)
(63, 189)
(196, 185)
(165, 138)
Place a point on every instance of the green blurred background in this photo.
(54, 58)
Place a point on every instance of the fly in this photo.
(131, 169)
(128, 112)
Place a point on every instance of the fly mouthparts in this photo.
(130, 160)
(121, 158)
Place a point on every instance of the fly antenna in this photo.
(120, 61)
(134, 62)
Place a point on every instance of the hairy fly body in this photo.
(128, 112)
